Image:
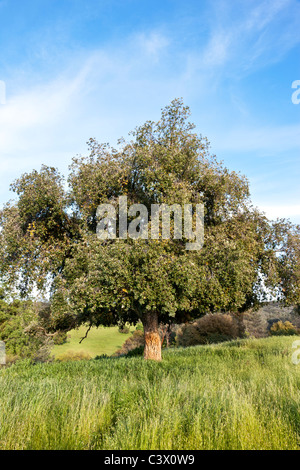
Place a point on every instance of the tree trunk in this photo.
(152, 339)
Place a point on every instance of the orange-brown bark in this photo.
(152, 338)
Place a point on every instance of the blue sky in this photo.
(77, 69)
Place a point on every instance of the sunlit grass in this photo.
(239, 395)
(99, 341)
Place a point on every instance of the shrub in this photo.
(23, 335)
(60, 337)
(139, 351)
(73, 356)
(43, 354)
(256, 324)
(281, 328)
(11, 359)
(101, 356)
(169, 333)
(136, 340)
(212, 328)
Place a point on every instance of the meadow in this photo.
(237, 395)
(102, 340)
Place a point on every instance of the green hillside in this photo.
(99, 341)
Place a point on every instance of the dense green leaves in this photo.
(23, 328)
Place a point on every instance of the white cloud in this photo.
(284, 211)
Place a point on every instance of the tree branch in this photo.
(87, 332)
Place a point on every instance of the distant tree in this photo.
(22, 331)
(48, 236)
(286, 243)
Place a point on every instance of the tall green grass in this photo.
(239, 395)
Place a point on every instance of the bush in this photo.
(60, 337)
(23, 335)
(11, 359)
(101, 356)
(73, 356)
(168, 334)
(139, 351)
(136, 340)
(281, 328)
(256, 324)
(212, 328)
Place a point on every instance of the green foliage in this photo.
(36, 230)
(18, 320)
(60, 337)
(209, 329)
(281, 328)
(288, 261)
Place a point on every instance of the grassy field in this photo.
(99, 341)
(239, 395)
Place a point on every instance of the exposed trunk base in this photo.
(152, 338)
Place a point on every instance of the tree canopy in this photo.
(48, 236)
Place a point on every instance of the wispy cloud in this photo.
(264, 13)
(250, 35)
(217, 50)
(152, 44)
(27, 116)
(100, 96)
